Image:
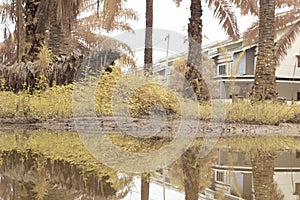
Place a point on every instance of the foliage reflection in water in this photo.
(48, 164)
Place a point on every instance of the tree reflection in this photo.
(191, 173)
(32, 176)
(263, 172)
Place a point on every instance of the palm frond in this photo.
(223, 11)
(7, 12)
(177, 2)
(95, 22)
(110, 10)
(247, 6)
(287, 3)
(284, 19)
(90, 40)
(286, 41)
(251, 34)
(113, 15)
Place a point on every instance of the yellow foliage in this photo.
(45, 56)
(155, 96)
(116, 90)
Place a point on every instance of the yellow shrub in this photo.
(153, 95)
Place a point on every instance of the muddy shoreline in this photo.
(163, 128)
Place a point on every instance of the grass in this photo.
(56, 102)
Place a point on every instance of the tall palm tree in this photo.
(269, 53)
(223, 12)
(148, 60)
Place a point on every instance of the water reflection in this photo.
(54, 165)
(43, 164)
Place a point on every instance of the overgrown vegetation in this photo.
(56, 102)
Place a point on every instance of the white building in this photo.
(233, 175)
(236, 63)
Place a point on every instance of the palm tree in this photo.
(53, 21)
(223, 12)
(54, 24)
(148, 60)
(269, 53)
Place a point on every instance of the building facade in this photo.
(235, 68)
(233, 175)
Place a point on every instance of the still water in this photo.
(55, 164)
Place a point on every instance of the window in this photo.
(297, 154)
(220, 176)
(239, 63)
(230, 68)
(298, 59)
(222, 70)
(298, 96)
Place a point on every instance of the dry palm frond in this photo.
(286, 41)
(177, 2)
(251, 6)
(287, 3)
(67, 10)
(282, 20)
(224, 13)
(110, 9)
(7, 10)
(97, 23)
(90, 41)
(106, 19)
(8, 50)
(251, 34)
(247, 6)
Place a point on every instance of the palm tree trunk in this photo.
(19, 29)
(265, 81)
(34, 40)
(193, 74)
(263, 171)
(191, 173)
(145, 180)
(60, 28)
(148, 60)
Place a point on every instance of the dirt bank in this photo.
(167, 128)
